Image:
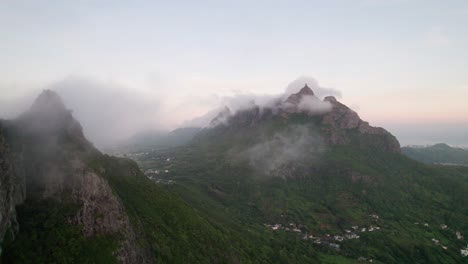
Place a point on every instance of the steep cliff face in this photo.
(12, 187)
(102, 212)
(7, 202)
(55, 158)
(341, 120)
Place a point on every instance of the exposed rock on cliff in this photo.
(7, 201)
(12, 187)
(338, 124)
(341, 121)
(101, 212)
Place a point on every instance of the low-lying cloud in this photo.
(313, 106)
(243, 101)
(319, 91)
(294, 144)
(110, 112)
(107, 111)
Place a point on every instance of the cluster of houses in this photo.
(153, 174)
(437, 243)
(167, 182)
(365, 229)
(374, 216)
(326, 239)
(151, 171)
(363, 259)
(291, 228)
(464, 251)
(132, 155)
(424, 224)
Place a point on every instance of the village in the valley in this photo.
(353, 232)
(157, 175)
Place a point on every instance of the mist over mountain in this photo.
(109, 112)
(112, 113)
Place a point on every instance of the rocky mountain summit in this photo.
(337, 123)
(296, 98)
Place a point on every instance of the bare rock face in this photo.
(12, 188)
(101, 212)
(338, 124)
(296, 98)
(7, 202)
(341, 120)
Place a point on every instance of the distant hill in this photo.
(156, 139)
(438, 153)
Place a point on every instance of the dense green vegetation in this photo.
(176, 232)
(46, 236)
(439, 153)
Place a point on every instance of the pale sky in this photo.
(396, 62)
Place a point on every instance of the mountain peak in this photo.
(296, 98)
(47, 102)
(49, 117)
(306, 90)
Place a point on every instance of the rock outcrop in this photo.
(101, 212)
(297, 97)
(7, 201)
(341, 121)
(12, 187)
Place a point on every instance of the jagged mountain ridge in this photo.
(337, 123)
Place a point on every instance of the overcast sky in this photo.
(399, 63)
